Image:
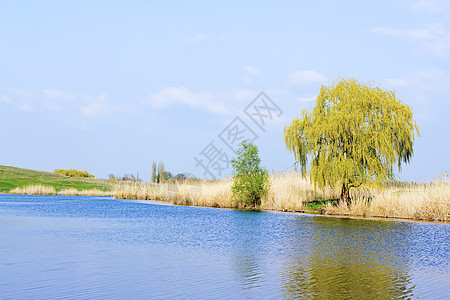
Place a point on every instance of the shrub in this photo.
(74, 173)
(250, 181)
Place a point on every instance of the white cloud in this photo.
(426, 90)
(31, 100)
(181, 95)
(302, 79)
(96, 106)
(5, 99)
(429, 6)
(244, 95)
(252, 76)
(428, 80)
(434, 38)
(204, 37)
(305, 99)
(56, 100)
(59, 95)
(392, 83)
(26, 106)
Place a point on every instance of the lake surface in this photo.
(92, 247)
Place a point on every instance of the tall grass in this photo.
(38, 189)
(430, 201)
(50, 190)
(289, 191)
(216, 194)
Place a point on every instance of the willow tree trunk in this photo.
(345, 194)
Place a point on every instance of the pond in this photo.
(93, 247)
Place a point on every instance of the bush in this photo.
(250, 181)
(73, 173)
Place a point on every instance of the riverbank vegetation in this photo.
(51, 190)
(290, 191)
(30, 181)
(74, 173)
(250, 180)
(354, 135)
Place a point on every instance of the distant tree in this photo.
(154, 172)
(132, 177)
(354, 134)
(180, 177)
(250, 181)
(129, 177)
(161, 172)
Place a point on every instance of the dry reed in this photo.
(50, 190)
(430, 201)
(34, 190)
(289, 191)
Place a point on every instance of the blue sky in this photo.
(110, 86)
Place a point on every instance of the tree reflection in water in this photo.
(348, 258)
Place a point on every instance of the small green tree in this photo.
(354, 134)
(250, 181)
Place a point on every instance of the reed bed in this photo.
(289, 191)
(91, 192)
(430, 202)
(203, 193)
(50, 190)
(38, 189)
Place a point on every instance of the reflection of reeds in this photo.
(50, 190)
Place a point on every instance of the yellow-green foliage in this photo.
(354, 134)
(74, 173)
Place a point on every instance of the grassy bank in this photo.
(25, 181)
(290, 192)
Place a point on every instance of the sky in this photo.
(111, 86)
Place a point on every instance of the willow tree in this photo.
(354, 134)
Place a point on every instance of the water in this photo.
(88, 247)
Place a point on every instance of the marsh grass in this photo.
(289, 191)
(40, 189)
(37, 189)
(429, 201)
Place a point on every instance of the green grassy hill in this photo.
(11, 177)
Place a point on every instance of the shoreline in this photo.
(312, 213)
(299, 212)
